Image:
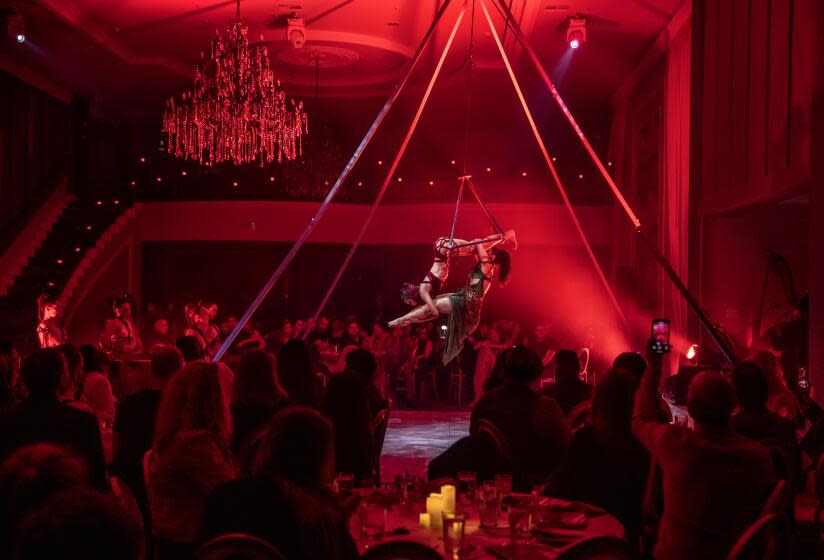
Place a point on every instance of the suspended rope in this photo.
(457, 208)
(553, 171)
(387, 180)
(484, 207)
(333, 191)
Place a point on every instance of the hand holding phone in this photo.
(660, 337)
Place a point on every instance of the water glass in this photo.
(518, 525)
(454, 525)
(406, 487)
(344, 484)
(467, 487)
(489, 501)
(372, 519)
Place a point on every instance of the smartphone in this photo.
(660, 338)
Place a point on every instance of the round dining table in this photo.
(561, 523)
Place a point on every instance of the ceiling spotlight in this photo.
(296, 31)
(576, 32)
(15, 26)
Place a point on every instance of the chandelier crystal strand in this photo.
(236, 110)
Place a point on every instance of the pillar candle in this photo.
(423, 519)
(448, 493)
(434, 507)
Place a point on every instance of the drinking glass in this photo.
(344, 484)
(504, 484)
(406, 487)
(518, 525)
(467, 486)
(373, 519)
(453, 534)
(488, 504)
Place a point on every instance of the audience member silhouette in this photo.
(296, 376)
(568, 390)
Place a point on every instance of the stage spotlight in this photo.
(692, 352)
(577, 32)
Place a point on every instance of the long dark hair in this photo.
(42, 301)
(504, 263)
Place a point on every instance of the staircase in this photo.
(76, 232)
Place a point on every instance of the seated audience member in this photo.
(72, 383)
(192, 456)
(190, 348)
(349, 408)
(606, 464)
(568, 390)
(496, 377)
(42, 418)
(635, 363)
(256, 397)
(94, 360)
(715, 481)
(754, 421)
(28, 479)
(780, 399)
(296, 376)
(79, 523)
(291, 482)
(134, 423)
(98, 396)
(532, 425)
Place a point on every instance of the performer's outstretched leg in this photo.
(423, 314)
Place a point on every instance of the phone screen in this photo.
(660, 335)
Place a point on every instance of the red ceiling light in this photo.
(431, 183)
(576, 32)
(271, 179)
(234, 183)
(59, 261)
(99, 203)
(523, 174)
(183, 173)
(133, 183)
(400, 179)
(142, 159)
(159, 179)
(77, 249)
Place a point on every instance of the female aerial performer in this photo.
(119, 338)
(49, 331)
(444, 249)
(464, 306)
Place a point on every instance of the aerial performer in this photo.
(444, 249)
(463, 307)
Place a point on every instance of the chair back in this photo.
(125, 497)
(762, 540)
(238, 545)
(580, 415)
(598, 548)
(379, 425)
(148, 459)
(492, 431)
(401, 550)
(775, 502)
(583, 359)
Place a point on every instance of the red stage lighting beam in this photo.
(552, 169)
(391, 170)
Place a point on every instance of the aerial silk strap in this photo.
(310, 227)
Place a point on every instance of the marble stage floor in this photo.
(413, 437)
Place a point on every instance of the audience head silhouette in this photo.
(613, 401)
(298, 448)
(165, 360)
(363, 363)
(190, 348)
(710, 399)
(43, 372)
(193, 400)
(522, 365)
(567, 366)
(751, 386)
(295, 372)
(256, 383)
(632, 362)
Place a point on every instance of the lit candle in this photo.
(448, 493)
(424, 520)
(434, 507)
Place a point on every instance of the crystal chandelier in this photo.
(236, 110)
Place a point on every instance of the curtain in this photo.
(675, 195)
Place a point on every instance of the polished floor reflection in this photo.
(414, 437)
